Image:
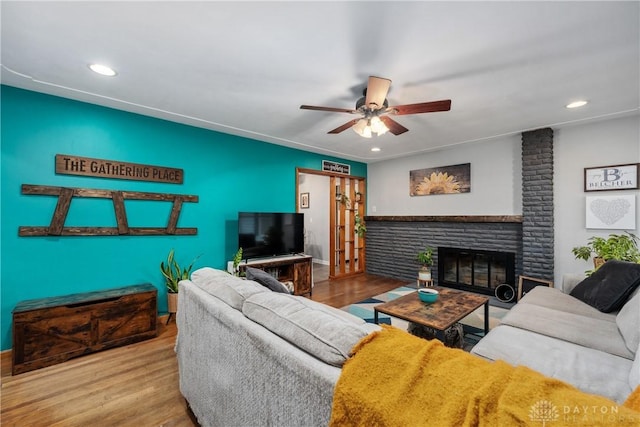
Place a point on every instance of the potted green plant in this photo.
(173, 273)
(237, 258)
(344, 199)
(623, 247)
(359, 226)
(426, 259)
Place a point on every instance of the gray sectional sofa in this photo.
(248, 356)
(559, 335)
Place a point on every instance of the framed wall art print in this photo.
(617, 177)
(452, 179)
(304, 200)
(611, 212)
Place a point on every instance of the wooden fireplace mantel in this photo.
(448, 218)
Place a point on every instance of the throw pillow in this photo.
(265, 279)
(608, 287)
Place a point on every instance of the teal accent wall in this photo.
(228, 173)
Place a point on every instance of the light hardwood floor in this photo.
(136, 385)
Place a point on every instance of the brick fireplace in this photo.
(394, 241)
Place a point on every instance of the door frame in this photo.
(332, 231)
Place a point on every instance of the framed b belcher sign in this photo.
(617, 177)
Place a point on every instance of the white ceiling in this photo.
(245, 67)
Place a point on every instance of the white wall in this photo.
(496, 181)
(604, 143)
(316, 217)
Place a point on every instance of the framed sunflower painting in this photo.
(452, 179)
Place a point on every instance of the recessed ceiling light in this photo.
(375, 149)
(102, 69)
(576, 104)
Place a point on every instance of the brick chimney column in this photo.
(537, 204)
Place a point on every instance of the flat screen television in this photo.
(267, 234)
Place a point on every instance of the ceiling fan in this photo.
(374, 109)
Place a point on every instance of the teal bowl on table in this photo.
(428, 295)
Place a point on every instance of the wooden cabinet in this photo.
(296, 269)
(47, 331)
(302, 277)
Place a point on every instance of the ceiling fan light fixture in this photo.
(362, 128)
(377, 126)
(367, 127)
(373, 107)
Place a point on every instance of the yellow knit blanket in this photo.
(396, 379)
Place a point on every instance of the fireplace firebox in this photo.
(475, 270)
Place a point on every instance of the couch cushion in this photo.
(230, 289)
(570, 280)
(590, 370)
(556, 299)
(628, 321)
(582, 330)
(309, 325)
(608, 287)
(265, 279)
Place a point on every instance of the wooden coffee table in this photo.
(451, 307)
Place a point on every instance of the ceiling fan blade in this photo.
(377, 90)
(332, 109)
(393, 126)
(344, 126)
(423, 107)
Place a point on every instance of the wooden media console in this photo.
(295, 268)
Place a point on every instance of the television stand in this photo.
(289, 268)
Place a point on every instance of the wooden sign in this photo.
(66, 195)
(86, 166)
(329, 166)
(618, 177)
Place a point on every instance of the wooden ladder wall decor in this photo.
(66, 194)
(346, 247)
